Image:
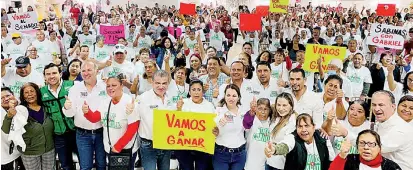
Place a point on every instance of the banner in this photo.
(112, 33)
(280, 6)
(250, 22)
(188, 9)
(26, 21)
(262, 10)
(386, 9)
(175, 130)
(314, 51)
(383, 35)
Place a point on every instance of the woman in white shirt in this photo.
(257, 124)
(405, 109)
(119, 119)
(187, 159)
(230, 152)
(282, 123)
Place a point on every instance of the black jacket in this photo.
(297, 158)
(353, 163)
(379, 78)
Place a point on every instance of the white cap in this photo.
(120, 48)
(337, 62)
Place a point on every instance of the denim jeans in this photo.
(89, 144)
(268, 167)
(187, 159)
(227, 160)
(65, 145)
(152, 158)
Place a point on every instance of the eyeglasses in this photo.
(370, 144)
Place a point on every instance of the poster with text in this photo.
(176, 130)
(112, 33)
(383, 35)
(26, 21)
(327, 53)
(280, 6)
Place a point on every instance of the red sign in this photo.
(262, 10)
(188, 9)
(250, 22)
(386, 9)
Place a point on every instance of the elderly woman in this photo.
(369, 147)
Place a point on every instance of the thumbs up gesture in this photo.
(215, 93)
(331, 114)
(269, 149)
(68, 103)
(5, 61)
(179, 104)
(253, 106)
(109, 62)
(206, 86)
(12, 108)
(338, 129)
(345, 148)
(130, 106)
(85, 107)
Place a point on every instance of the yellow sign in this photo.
(176, 130)
(315, 51)
(280, 6)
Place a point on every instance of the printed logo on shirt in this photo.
(153, 106)
(229, 118)
(16, 87)
(249, 89)
(313, 162)
(275, 74)
(273, 94)
(112, 123)
(337, 145)
(255, 92)
(83, 94)
(101, 55)
(114, 72)
(40, 49)
(45, 95)
(102, 93)
(355, 79)
(262, 135)
(307, 73)
(39, 68)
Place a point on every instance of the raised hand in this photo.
(85, 107)
(206, 85)
(130, 106)
(253, 106)
(68, 103)
(222, 121)
(180, 103)
(109, 62)
(391, 68)
(345, 148)
(12, 108)
(5, 61)
(340, 94)
(215, 92)
(269, 149)
(338, 129)
(331, 114)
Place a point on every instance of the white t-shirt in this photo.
(5, 144)
(337, 141)
(177, 91)
(118, 121)
(246, 93)
(357, 77)
(15, 82)
(281, 69)
(257, 138)
(115, 69)
(44, 50)
(270, 92)
(88, 40)
(38, 65)
(204, 107)
(313, 159)
(6, 41)
(216, 39)
(190, 43)
(145, 42)
(231, 135)
(101, 54)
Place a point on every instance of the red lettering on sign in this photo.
(191, 124)
(326, 51)
(20, 17)
(189, 142)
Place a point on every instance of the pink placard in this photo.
(112, 33)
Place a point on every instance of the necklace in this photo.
(181, 92)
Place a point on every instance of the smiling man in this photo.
(394, 132)
(54, 98)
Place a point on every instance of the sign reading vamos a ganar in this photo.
(25, 21)
(383, 35)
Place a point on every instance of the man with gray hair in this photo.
(395, 133)
(89, 136)
(157, 98)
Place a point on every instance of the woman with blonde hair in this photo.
(282, 123)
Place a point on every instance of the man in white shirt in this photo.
(16, 77)
(17, 48)
(217, 40)
(157, 98)
(359, 77)
(396, 134)
(89, 136)
(86, 38)
(43, 47)
(264, 86)
(304, 100)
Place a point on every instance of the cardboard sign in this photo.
(26, 21)
(383, 35)
(262, 10)
(327, 53)
(188, 9)
(386, 9)
(112, 33)
(249, 22)
(175, 130)
(280, 6)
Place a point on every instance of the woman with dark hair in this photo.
(39, 153)
(405, 109)
(383, 73)
(339, 41)
(369, 147)
(196, 103)
(11, 10)
(292, 46)
(279, 67)
(166, 48)
(401, 89)
(73, 71)
(304, 148)
(29, 8)
(264, 56)
(230, 149)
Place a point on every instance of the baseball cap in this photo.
(15, 35)
(22, 61)
(120, 48)
(337, 62)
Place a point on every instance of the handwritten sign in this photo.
(383, 35)
(26, 21)
(112, 33)
(327, 53)
(177, 130)
(280, 6)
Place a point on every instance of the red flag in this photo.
(386, 9)
(262, 10)
(250, 22)
(188, 9)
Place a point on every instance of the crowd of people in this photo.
(66, 92)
